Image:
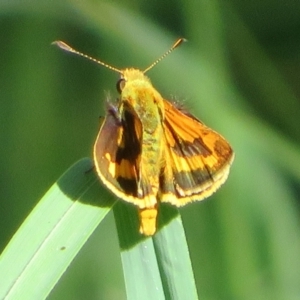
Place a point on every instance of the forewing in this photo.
(117, 152)
(197, 158)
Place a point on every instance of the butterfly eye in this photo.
(120, 85)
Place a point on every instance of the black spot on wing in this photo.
(185, 181)
(185, 148)
(193, 178)
(129, 186)
(131, 147)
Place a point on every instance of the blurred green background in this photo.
(239, 73)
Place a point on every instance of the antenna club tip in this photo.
(179, 42)
(56, 43)
(62, 45)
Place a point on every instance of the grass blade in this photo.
(52, 235)
(157, 267)
(173, 257)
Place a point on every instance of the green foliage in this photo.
(51, 236)
(238, 73)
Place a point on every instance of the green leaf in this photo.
(52, 235)
(156, 267)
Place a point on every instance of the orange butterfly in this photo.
(148, 150)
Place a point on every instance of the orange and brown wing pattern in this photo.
(117, 153)
(197, 158)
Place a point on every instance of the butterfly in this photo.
(150, 151)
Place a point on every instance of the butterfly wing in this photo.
(117, 153)
(197, 158)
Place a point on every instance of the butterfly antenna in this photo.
(66, 47)
(176, 44)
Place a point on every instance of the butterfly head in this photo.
(130, 77)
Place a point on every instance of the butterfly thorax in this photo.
(141, 99)
(145, 104)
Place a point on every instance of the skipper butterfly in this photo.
(149, 150)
